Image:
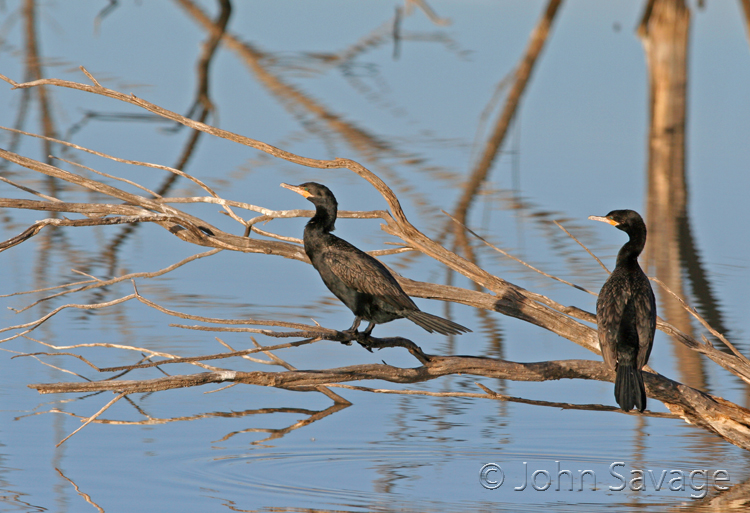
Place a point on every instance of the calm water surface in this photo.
(416, 114)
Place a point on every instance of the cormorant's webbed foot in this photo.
(352, 331)
(363, 338)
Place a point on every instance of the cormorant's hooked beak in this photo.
(604, 220)
(299, 190)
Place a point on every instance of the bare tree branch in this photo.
(712, 413)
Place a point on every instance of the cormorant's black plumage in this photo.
(360, 281)
(626, 313)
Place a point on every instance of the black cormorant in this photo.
(626, 313)
(356, 278)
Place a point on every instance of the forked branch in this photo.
(728, 420)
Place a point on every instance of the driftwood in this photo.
(728, 420)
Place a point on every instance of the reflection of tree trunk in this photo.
(664, 32)
(203, 106)
(35, 72)
(746, 10)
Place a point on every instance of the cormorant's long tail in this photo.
(629, 389)
(433, 323)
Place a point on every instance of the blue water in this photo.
(578, 148)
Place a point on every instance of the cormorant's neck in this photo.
(324, 218)
(628, 254)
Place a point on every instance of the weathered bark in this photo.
(715, 414)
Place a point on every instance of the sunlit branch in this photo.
(713, 413)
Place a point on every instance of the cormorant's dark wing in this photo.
(645, 318)
(609, 313)
(364, 274)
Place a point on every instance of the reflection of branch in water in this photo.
(397, 33)
(429, 12)
(13, 497)
(113, 4)
(339, 402)
(737, 498)
(203, 105)
(380, 36)
(15, 137)
(204, 62)
(746, 11)
(150, 420)
(34, 70)
(85, 496)
(522, 76)
(97, 283)
(519, 78)
(125, 117)
(302, 106)
(488, 393)
(275, 434)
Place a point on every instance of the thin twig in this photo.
(700, 319)
(27, 189)
(87, 285)
(583, 246)
(516, 258)
(95, 415)
(278, 361)
(101, 173)
(218, 356)
(35, 324)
